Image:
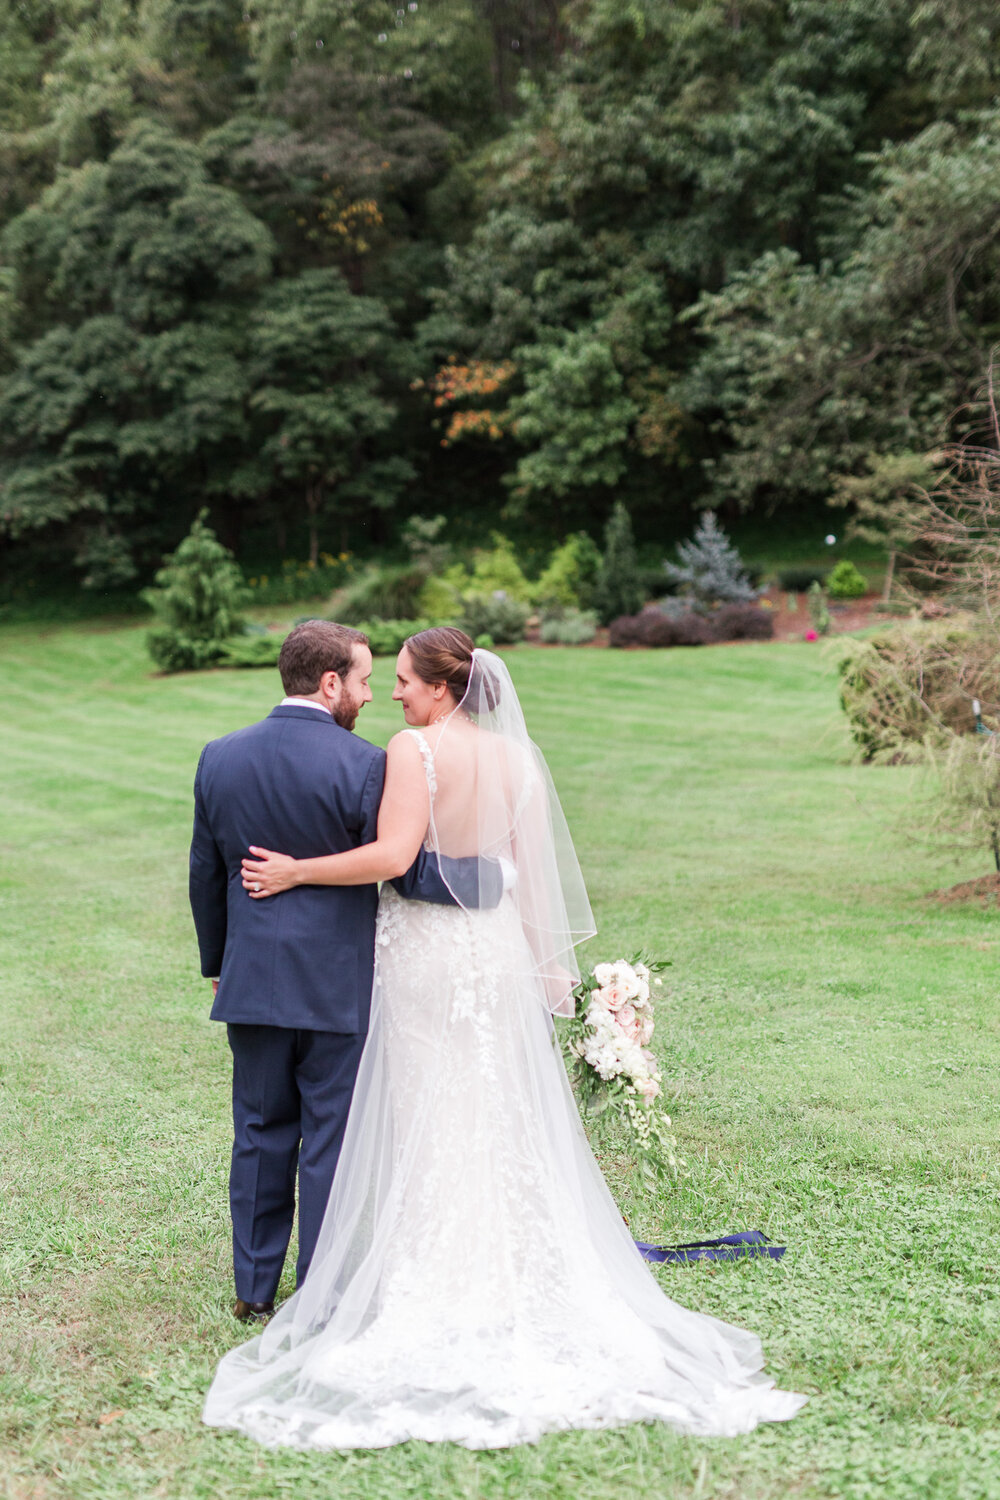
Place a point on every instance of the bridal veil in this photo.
(474, 1281)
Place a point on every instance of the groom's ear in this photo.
(328, 684)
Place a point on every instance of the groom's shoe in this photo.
(253, 1312)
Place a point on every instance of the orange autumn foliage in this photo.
(455, 381)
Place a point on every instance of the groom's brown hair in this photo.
(315, 647)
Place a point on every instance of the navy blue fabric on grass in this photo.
(748, 1242)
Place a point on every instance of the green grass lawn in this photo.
(830, 1037)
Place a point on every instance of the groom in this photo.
(292, 976)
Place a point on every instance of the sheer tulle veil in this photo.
(493, 797)
(474, 1281)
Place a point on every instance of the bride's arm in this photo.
(402, 822)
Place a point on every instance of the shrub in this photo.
(845, 582)
(966, 807)
(797, 580)
(742, 622)
(251, 650)
(390, 592)
(574, 627)
(617, 589)
(622, 632)
(497, 570)
(711, 570)
(655, 628)
(915, 681)
(386, 637)
(571, 573)
(819, 613)
(197, 601)
(495, 615)
(300, 580)
(442, 594)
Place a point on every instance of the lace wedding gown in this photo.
(474, 1281)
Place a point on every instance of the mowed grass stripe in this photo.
(830, 1040)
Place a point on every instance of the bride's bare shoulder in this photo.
(404, 747)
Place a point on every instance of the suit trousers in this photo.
(291, 1097)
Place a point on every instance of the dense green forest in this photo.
(324, 264)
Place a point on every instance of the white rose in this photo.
(628, 979)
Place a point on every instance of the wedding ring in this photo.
(256, 885)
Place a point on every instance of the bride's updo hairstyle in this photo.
(444, 654)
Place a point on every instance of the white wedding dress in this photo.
(474, 1281)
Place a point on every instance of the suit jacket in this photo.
(300, 783)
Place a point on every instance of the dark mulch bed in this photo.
(984, 892)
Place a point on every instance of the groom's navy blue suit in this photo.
(295, 970)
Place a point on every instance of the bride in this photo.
(474, 1282)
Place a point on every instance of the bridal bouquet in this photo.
(616, 1076)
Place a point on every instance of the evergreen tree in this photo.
(618, 590)
(197, 600)
(711, 570)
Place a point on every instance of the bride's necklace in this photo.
(442, 717)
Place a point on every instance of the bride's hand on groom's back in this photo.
(268, 873)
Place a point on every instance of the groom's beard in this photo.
(346, 713)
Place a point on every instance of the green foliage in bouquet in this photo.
(616, 1077)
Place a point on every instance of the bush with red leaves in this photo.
(742, 622)
(654, 628)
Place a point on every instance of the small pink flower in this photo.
(648, 1087)
(812, 635)
(626, 1017)
(613, 996)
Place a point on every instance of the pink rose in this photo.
(812, 635)
(626, 1017)
(646, 1029)
(613, 996)
(648, 1087)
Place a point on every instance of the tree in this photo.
(575, 416)
(618, 590)
(131, 285)
(711, 570)
(881, 502)
(319, 355)
(197, 601)
(812, 370)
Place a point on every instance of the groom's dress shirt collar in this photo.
(303, 703)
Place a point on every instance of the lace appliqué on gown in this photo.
(474, 1281)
